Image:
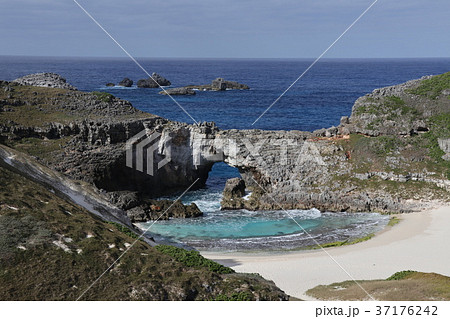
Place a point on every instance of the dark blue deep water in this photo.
(318, 100)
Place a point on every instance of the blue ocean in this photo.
(318, 100)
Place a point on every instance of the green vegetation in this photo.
(32, 106)
(236, 296)
(404, 285)
(439, 128)
(383, 145)
(391, 107)
(51, 249)
(193, 259)
(401, 275)
(399, 156)
(393, 221)
(433, 87)
(104, 96)
(23, 231)
(342, 243)
(124, 230)
(38, 147)
(370, 109)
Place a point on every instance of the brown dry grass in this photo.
(416, 286)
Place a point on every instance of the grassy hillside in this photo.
(51, 249)
(404, 285)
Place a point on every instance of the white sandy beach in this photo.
(421, 241)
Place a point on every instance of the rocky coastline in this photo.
(376, 160)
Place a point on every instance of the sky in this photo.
(226, 28)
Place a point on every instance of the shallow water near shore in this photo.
(268, 230)
(243, 230)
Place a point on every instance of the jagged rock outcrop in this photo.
(162, 210)
(444, 145)
(221, 84)
(126, 82)
(50, 80)
(140, 209)
(233, 194)
(178, 91)
(155, 81)
(394, 110)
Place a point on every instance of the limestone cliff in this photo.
(386, 157)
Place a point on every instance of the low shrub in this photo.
(401, 275)
(193, 258)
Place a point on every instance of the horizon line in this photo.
(223, 58)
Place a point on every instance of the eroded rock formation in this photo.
(351, 167)
(178, 91)
(51, 80)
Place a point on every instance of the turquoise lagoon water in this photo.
(243, 230)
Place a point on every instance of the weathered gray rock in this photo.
(162, 210)
(444, 144)
(50, 80)
(394, 110)
(124, 200)
(233, 193)
(178, 91)
(289, 170)
(126, 82)
(154, 81)
(221, 84)
(110, 84)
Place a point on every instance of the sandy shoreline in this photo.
(419, 242)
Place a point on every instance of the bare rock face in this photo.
(50, 80)
(162, 210)
(444, 145)
(126, 82)
(233, 193)
(282, 169)
(396, 110)
(154, 81)
(178, 91)
(221, 84)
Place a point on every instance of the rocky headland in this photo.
(388, 156)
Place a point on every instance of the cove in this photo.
(243, 230)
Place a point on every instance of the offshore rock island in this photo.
(219, 84)
(68, 148)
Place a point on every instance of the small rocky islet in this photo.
(158, 81)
